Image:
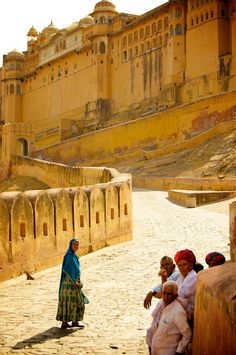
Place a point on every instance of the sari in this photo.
(71, 304)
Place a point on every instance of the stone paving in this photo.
(116, 279)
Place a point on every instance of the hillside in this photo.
(214, 158)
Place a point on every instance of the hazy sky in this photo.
(17, 17)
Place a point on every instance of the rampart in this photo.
(215, 311)
(178, 127)
(36, 226)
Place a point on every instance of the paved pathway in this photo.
(115, 279)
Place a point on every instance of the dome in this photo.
(32, 32)
(104, 6)
(15, 54)
(49, 30)
(86, 21)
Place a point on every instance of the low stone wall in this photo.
(36, 226)
(232, 225)
(60, 175)
(215, 311)
(197, 198)
(174, 183)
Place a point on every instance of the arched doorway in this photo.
(22, 147)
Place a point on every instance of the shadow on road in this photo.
(51, 333)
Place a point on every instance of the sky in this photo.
(16, 17)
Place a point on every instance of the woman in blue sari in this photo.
(71, 297)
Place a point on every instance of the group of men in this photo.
(173, 318)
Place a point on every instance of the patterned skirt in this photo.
(71, 303)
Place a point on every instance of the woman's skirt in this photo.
(71, 303)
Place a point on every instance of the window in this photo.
(102, 48)
(154, 28)
(159, 25)
(124, 55)
(141, 33)
(130, 53)
(45, 229)
(197, 20)
(136, 50)
(22, 230)
(202, 19)
(97, 218)
(206, 16)
(178, 29)
(178, 12)
(135, 36)
(166, 36)
(192, 22)
(212, 13)
(147, 45)
(147, 31)
(64, 225)
(126, 209)
(81, 221)
(166, 22)
(18, 89)
(124, 41)
(12, 89)
(130, 39)
(160, 41)
(112, 213)
(171, 31)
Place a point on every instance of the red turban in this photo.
(185, 254)
(216, 257)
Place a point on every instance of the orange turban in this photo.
(185, 254)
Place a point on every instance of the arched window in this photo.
(171, 31)
(206, 16)
(130, 39)
(178, 29)
(142, 48)
(192, 22)
(197, 20)
(147, 45)
(130, 53)
(223, 12)
(178, 12)
(64, 44)
(124, 55)
(141, 33)
(154, 28)
(102, 20)
(18, 89)
(136, 50)
(212, 13)
(166, 36)
(160, 41)
(135, 36)
(124, 41)
(102, 48)
(154, 42)
(166, 22)
(12, 89)
(147, 31)
(159, 25)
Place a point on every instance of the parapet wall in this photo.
(55, 175)
(215, 311)
(36, 226)
(177, 183)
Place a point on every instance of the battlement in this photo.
(36, 226)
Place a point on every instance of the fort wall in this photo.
(158, 131)
(215, 311)
(36, 226)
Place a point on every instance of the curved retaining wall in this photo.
(36, 226)
(215, 311)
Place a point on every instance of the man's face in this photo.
(168, 295)
(167, 266)
(184, 267)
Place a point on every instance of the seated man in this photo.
(169, 333)
(167, 272)
(214, 259)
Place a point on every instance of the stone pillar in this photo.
(232, 225)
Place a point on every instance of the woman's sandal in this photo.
(65, 325)
(76, 324)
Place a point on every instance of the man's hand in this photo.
(148, 300)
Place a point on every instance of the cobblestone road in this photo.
(115, 279)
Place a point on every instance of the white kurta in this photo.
(187, 289)
(170, 331)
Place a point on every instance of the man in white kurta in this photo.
(169, 333)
